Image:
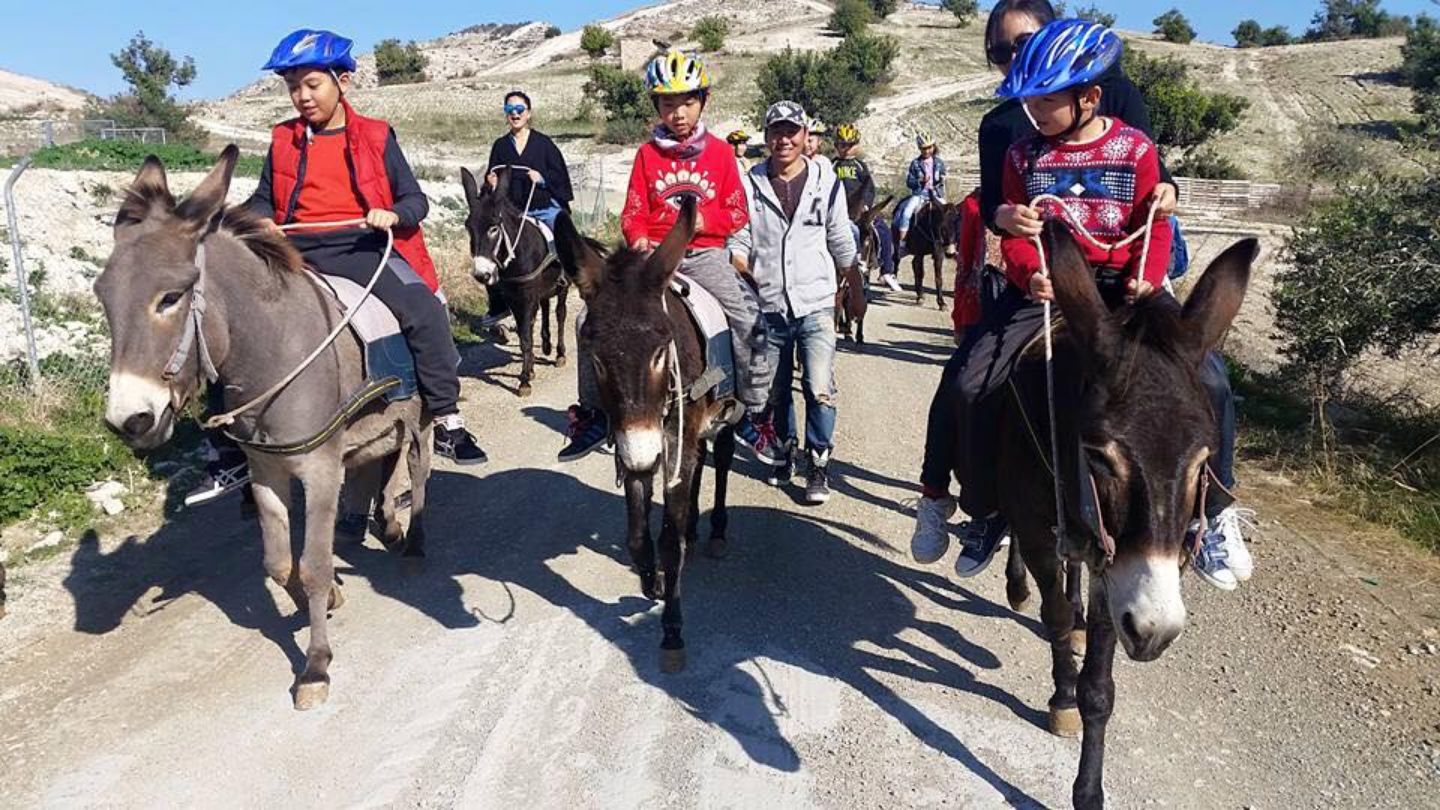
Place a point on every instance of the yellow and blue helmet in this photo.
(675, 74)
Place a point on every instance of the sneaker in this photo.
(1232, 523)
(224, 475)
(980, 540)
(931, 538)
(780, 474)
(589, 429)
(892, 282)
(458, 444)
(817, 480)
(1212, 559)
(758, 436)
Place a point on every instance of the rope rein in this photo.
(228, 417)
(677, 391)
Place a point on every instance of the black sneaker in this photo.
(817, 479)
(458, 445)
(223, 476)
(780, 474)
(589, 429)
(980, 539)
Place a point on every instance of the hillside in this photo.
(26, 101)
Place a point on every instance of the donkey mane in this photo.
(1157, 322)
(270, 247)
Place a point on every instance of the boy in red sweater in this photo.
(682, 159)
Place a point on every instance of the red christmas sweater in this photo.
(660, 178)
(1106, 183)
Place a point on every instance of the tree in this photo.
(1353, 19)
(552, 31)
(399, 64)
(1360, 278)
(964, 10)
(1276, 35)
(1420, 70)
(834, 87)
(868, 58)
(151, 71)
(1173, 27)
(883, 8)
(596, 40)
(1094, 14)
(851, 17)
(710, 32)
(624, 98)
(1182, 115)
(1248, 34)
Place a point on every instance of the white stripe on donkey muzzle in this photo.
(639, 448)
(131, 395)
(1143, 592)
(486, 271)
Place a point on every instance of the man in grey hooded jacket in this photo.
(798, 234)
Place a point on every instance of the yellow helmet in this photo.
(676, 73)
(847, 133)
(737, 137)
(925, 140)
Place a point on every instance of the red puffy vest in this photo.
(365, 140)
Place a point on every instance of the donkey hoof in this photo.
(1077, 643)
(561, 362)
(337, 597)
(1065, 722)
(1020, 603)
(672, 661)
(524, 390)
(412, 564)
(717, 547)
(311, 694)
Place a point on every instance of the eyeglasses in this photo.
(515, 109)
(1003, 53)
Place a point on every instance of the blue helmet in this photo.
(312, 48)
(1062, 55)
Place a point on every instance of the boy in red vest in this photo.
(683, 159)
(331, 164)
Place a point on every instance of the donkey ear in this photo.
(1074, 282)
(577, 258)
(149, 193)
(208, 199)
(1217, 297)
(472, 188)
(666, 258)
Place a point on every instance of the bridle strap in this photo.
(193, 332)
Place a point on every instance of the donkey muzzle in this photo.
(138, 410)
(1145, 603)
(486, 271)
(639, 447)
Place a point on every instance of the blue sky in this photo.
(69, 41)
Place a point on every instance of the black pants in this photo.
(423, 319)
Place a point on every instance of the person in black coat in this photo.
(538, 179)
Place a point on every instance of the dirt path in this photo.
(826, 669)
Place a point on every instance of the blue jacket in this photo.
(915, 178)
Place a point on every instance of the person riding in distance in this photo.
(797, 234)
(683, 159)
(739, 141)
(926, 180)
(855, 174)
(814, 140)
(540, 186)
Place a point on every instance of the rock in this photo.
(50, 540)
(112, 506)
(105, 489)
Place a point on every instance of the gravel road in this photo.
(826, 669)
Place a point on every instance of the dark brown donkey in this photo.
(514, 256)
(198, 291)
(931, 231)
(850, 301)
(1135, 430)
(638, 328)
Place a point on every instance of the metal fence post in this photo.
(21, 282)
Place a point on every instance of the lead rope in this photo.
(228, 417)
(677, 390)
(512, 244)
(1145, 233)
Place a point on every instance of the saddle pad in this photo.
(709, 316)
(387, 353)
(544, 231)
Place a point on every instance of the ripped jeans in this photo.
(813, 338)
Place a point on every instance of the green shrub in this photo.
(1247, 34)
(1208, 164)
(710, 32)
(552, 31)
(1329, 155)
(150, 70)
(1420, 70)
(1182, 115)
(883, 8)
(964, 10)
(1094, 14)
(1276, 35)
(625, 100)
(868, 58)
(596, 40)
(37, 466)
(1353, 19)
(399, 64)
(126, 156)
(1173, 27)
(625, 131)
(851, 17)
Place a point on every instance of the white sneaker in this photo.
(1233, 522)
(892, 282)
(932, 533)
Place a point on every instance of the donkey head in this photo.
(147, 289)
(492, 222)
(1146, 427)
(868, 247)
(629, 333)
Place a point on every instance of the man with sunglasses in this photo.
(542, 187)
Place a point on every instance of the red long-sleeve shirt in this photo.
(658, 180)
(1107, 183)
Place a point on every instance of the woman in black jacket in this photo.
(541, 187)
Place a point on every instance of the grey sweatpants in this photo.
(712, 270)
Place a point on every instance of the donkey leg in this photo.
(317, 576)
(272, 501)
(525, 325)
(1097, 701)
(418, 462)
(642, 551)
(1017, 584)
(672, 563)
(2, 590)
(362, 485)
(1074, 591)
(1056, 614)
(939, 258)
(392, 486)
(692, 525)
(719, 545)
(545, 343)
(918, 263)
(560, 307)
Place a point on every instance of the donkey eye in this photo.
(1101, 464)
(169, 300)
(493, 232)
(658, 361)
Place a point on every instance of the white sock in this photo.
(451, 421)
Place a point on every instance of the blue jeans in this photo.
(813, 337)
(547, 215)
(886, 243)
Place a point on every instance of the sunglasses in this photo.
(1003, 53)
(515, 109)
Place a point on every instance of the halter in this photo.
(676, 400)
(193, 333)
(511, 245)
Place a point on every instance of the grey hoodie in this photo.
(794, 262)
